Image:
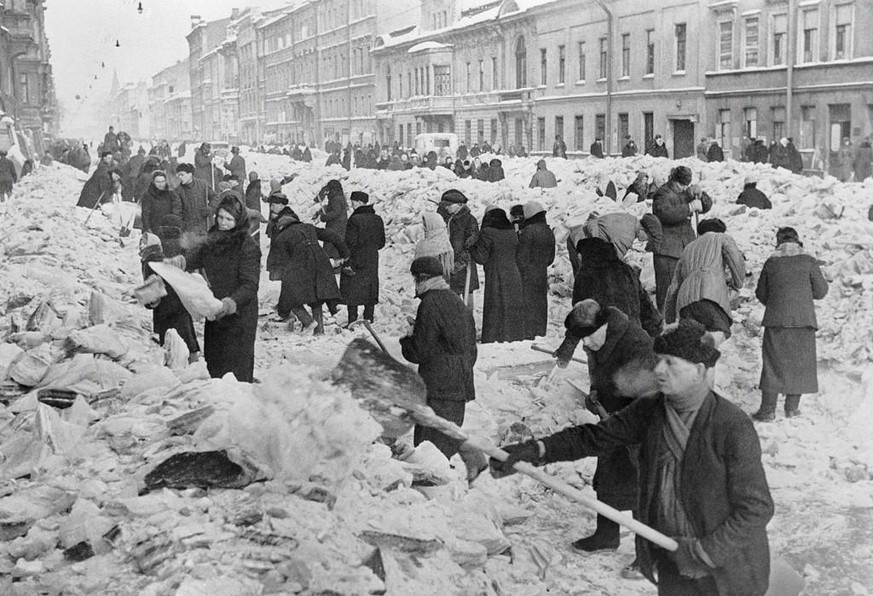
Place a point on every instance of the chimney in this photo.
(195, 20)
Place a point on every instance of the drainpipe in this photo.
(789, 82)
(609, 47)
(349, 50)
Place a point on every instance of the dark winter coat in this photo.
(779, 157)
(753, 197)
(596, 150)
(629, 150)
(302, 264)
(559, 149)
(253, 195)
(536, 251)
(170, 313)
(627, 349)
(670, 206)
(863, 162)
(496, 173)
(723, 487)
(335, 214)
(237, 167)
(231, 262)
(795, 161)
(365, 237)
(203, 168)
(307, 155)
(333, 160)
(656, 150)
(503, 307)
(715, 153)
(443, 344)
(461, 226)
(98, 189)
(8, 176)
(604, 277)
(789, 282)
(198, 205)
(156, 205)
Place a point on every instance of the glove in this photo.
(472, 240)
(228, 307)
(565, 352)
(689, 564)
(591, 403)
(528, 451)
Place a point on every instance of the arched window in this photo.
(520, 64)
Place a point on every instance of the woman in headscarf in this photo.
(334, 213)
(789, 282)
(231, 262)
(494, 246)
(158, 202)
(436, 242)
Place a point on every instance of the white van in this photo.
(445, 144)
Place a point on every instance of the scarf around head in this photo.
(436, 241)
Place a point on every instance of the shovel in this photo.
(538, 348)
(396, 396)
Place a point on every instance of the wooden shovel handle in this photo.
(538, 348)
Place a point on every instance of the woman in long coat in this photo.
(436, 242)
(158, 202)
(304, 268)
(365, 237)
(536, 251)
(494, 246)
(231, 262)
(334, 214)
(203, 165)
(789, 282)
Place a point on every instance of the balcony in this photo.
(20, 27)
(419, 105)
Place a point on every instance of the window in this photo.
(417, 82)
(648, 128)
(581, 48)
(442, 80)
(495, 78)
(780, 38)
(409, 135)
(562, 64)
(25, 87)
(807, 127)
(541, 134)
(544, 67)
(681, 41)
(623, 127)
(408, 84)
(520, 64)
(725, 45)
(469, 79)
(578, 136)
(604, 47)
(600, 126)
(400, 133)
(750, 122)
(400, 91)
(625, 54)
(808, 36)
(723, 130)
(750, 51)
(468, 132)
(480, 131)
(418, 128)
(650, 51)
(493, 131)
(778, 114)
(481, 75)
(427, 80)
(842, 31)
(559, 126)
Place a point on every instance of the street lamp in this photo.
(139, 8)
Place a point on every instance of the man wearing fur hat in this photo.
(701, 477)
(365, 237)
(461, 225)
(536, 251)
(442, 341)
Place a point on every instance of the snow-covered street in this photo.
(331, 511)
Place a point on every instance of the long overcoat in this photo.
(536, 251)
(365, 237)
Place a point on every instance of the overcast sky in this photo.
(82, 34)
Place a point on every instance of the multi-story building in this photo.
(27, 90)
(250, 108)
(170, 103)
(276, 55)
(130, 110)
(207, 68)
(788, 68)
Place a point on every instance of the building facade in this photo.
(207, 73)
(170, 103)
(27, 90)
(130, 110)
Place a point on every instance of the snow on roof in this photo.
(427, 45)
(515, 6)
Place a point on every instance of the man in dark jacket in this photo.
(198, 200)
(715, 153)
(596, 149)
(334, 213)
(237, 165)
(657, 148)
(253, 192)
(101, 185)
(203, 165)
(461, 225)
(701, 477)
(536, 251)
(442, 341)
(753, 197)
(365, 237)
(110, 141)
(617, 348)
(559, 149)
(8, 176)
(674, 204)
(629, 149)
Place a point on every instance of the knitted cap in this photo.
(531, 208)
(687, 341)
(426, 267)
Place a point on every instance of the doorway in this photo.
(683, 138)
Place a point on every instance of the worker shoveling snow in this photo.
(320, 507)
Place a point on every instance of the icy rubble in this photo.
(333, 512)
